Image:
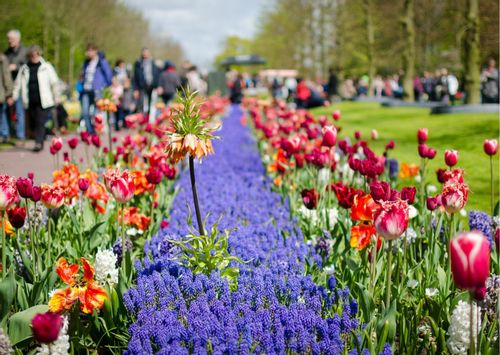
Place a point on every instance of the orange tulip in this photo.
(363, 208)
(361, 235)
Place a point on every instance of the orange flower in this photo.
(67, 178)
(134, 218)
(363, 208)
(408, 171)
(9, 230)
(141, 183)
(281, 163)
(361, 235)
(90, 294)
(278, 181)
(66, 272)
(179, 146)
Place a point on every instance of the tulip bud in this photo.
(56, 143)
(451, 157)
(357, 135)
(310, 198)
(422, 135)
(36, 194)
(432, 203)
(17, 216)
(470, 260)
(442, 175)
(83, 184)
(374, 134)
(96, 140)
(431, 153)
(390, 145)
(329, 136)
(408, 194)
(490, 146)
(336, 115)
(24, 187)
(31, 176)
(391, 220)
(46, 327)
(380, 191)
(422, 150)
(164, 224)
(66, 156)
(73, 142)
(153, 176)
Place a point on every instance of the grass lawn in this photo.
(463, 132)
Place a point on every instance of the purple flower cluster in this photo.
(481, 221)
(274, 309)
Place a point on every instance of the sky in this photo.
(201, 25)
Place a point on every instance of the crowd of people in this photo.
(30, 85)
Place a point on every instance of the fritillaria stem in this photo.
(195, 196)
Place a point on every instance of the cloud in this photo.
(201, 25)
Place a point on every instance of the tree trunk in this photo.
(408, 22)
(370, 36)
(471, 54)
(57, 49)
(71, 65)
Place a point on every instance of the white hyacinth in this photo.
(324, 176)
(459, 330)
(105, 267)
(332, 214)
(58, 347)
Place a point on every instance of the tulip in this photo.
(422, 135)
(119, 184)
(31, 176)
(73, 142)
(490, 146)
(8, 192)
(36, 194)
(83, 184)
(454, 196)
(154, 176)
(17, 216)
(310, 198)
(391, 220)
(380, 191)
(470, 260)
(56, 144)
(164, 224)
(66, 157)
(52, 196)
(85, 137)
(390, 145)
(451, 157)
(357, 135)
(96, 140)
(24, 187)
(408, 194)
(497, 239)
(336, 115)
(46, 327)
(422, 150)
(432, 203)
(374, 134)
(329, 136)
(431, 153)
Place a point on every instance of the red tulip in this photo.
(329, 136)
(85, 137)
(96, 140)
(391, 220)
(56, 144)
(119, 184)
(37, 194)
(497, 239)
(31, 176)
(432, 203)
(310, 198)
(73, 142)
(451, 157)
(422, 135)
(490, 146)
(380, 191)
(17, 216)
(8, 192)
(291, 145)
(470, 260)
(357, 135)
(431, 153)
(153, 176)
(66, 157)
(46, 327)
(164, 224)
(83, 184)
(24, 187)
(390, 145)
(336, 115)
(454, 196)
(408, 194)
(52, 196)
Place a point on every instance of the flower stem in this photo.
(472, 349)
(388, 278)
(373, 265)
(123, 235)
(195, 196)
(4, 254)
(110, 139)
(492, 188)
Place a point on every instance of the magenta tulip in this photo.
(451, 157)
(24, 187)
(329, 136)
(46, 327)
(422, 135)
(391, 220)
(490, 146)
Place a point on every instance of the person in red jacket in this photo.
(303, 93)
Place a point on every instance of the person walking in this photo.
(168, 83)
(16, 54)
(146, 75)
(95, 76)
(6, 87)
(36, 85)
(490, 83)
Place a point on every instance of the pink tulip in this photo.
(119, 184)
(154, 176)
(73, 142)
(391, 220)
(422, 135)
(37, 194)
(336, 115)
(83, 184)
(490, 146)
(329, 136)
(25, 187)
(357, 135)
(52, 196)
(470, 260)
(451, 157)
(432, 203)
(408, 194)
(454, 195)
(46, 327)
(56, 144)
(8, 192)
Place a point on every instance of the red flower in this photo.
(391, 220)
(8, 192)
(380, 190)
(422, 135)
(364, 208)
(470, 260)
(291, 145)
(46, 327)
(345, 194)
(329, 136)
(52, 196)
(426, 152)
(96, 140)
(73, 142)
(153, 176)
(119, 184)
(83, 184)
(56, 144)
(24, 187)
(310, 198)
(36, 194)
(164, 224)
(361, 235)
(390, 145)
(357, 135)
(432, 203)
(408, 194)
(336, 115)
(17, 216)
(490, 146)
(451, 157)
(454, 196)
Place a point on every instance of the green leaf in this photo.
(388, 317)
(20, 323)
(7, 294)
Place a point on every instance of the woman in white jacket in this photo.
(36, 84)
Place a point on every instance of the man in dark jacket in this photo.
(96, 75)
(16, 54)
(146, 75)
(168, 83)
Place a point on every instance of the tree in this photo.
(370, 41)
(408, 22)
(471, 53)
